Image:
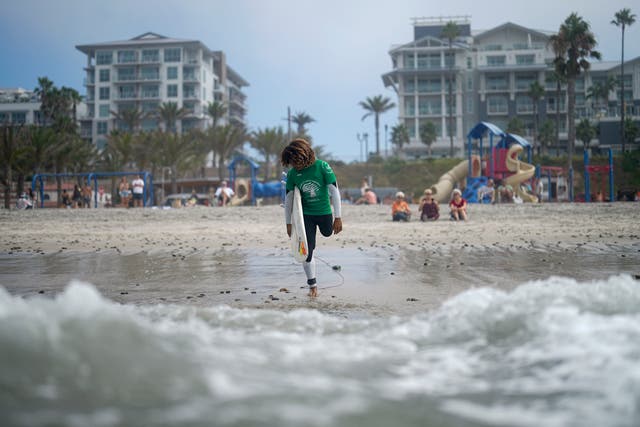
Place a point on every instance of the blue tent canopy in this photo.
(482, 128)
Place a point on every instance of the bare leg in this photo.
(313, 291)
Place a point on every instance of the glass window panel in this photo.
(104, 57)
(172, 54)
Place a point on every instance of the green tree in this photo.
(536, 93)
(229, 137)
(599, 92)
(217, 110)
(623, 18)
(450, 32)
(576, 43)
(44, 93)
(268, 142)
(376, 106)
(515, 126)
(399, 136)
(547, 133)
(301, 120)
(585, 132)
(169, 113)
(630, 130)
(131, 119)
(428, 135)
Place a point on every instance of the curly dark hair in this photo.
(298, 152)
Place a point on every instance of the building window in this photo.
(105, 75)
(104, 110)
(172, 54)
(409, 107)
(172, 91)
(409, 86)
(172, 73)
(523, 82)
(470, 105)
(150, 73)
(127, 56)
(411, 127)
(496, 60)
(525, 59)
(429, 106)
(126, 74)
(470, 83)
(104, 57)
(150, 55)
(429, 85)
(497, 83)
(409, 60)
(150, 91)
(469, 63)
(19, 117)
(102, 128)
(497, 104)
(524, 104)
(104, 93)
(429, 61)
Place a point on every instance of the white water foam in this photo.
(555, 353)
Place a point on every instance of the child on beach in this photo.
(429, 209)
(458, 206)
(400, 209)
(319, 191)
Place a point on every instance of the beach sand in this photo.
(240, 255)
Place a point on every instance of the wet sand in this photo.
(239, 256)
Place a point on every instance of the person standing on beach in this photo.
(319, 192)
(138, 191)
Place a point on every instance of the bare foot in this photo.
(313, 292)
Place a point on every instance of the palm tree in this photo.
(450, 32)
(585, 132)
(302, 119)
(624, 18)
(169, 113)
(399, 136)
(599, 91)
(229, 137)
(268, 141)
(558, 76)
(123, 144)
(631, 130)
(216, 110)
(73, 98)
(515, 126)
(579, 43)
(43, 91)
(546, 134)
(536, 92)
(376, 106)
(428, 134)
(131, 118)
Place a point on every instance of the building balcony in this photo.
(150, 95)
(190, 95)
(191, 78)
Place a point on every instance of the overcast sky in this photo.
(317, 56)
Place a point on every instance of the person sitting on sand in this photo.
(458, 206)
(400, 209)
(486, 193)
(429, 209)
(369, 198)
(223, 194)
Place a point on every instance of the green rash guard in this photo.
(312, 182)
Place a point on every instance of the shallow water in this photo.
(556, 352)
(473, 337)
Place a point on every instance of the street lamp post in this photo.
(364, 137)
(386, 153)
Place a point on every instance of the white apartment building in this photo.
(19, 106)
(492, 72)
(148, 70)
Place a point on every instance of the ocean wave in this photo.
(556, 352)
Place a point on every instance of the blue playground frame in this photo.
(93, 176)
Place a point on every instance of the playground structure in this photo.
(252, 189)
(600, 171)
(554, 183)
(500, 161)
(91, 178)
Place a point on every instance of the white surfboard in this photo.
(299, 247)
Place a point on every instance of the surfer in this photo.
(319, 192)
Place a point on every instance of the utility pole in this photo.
(289, 122)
